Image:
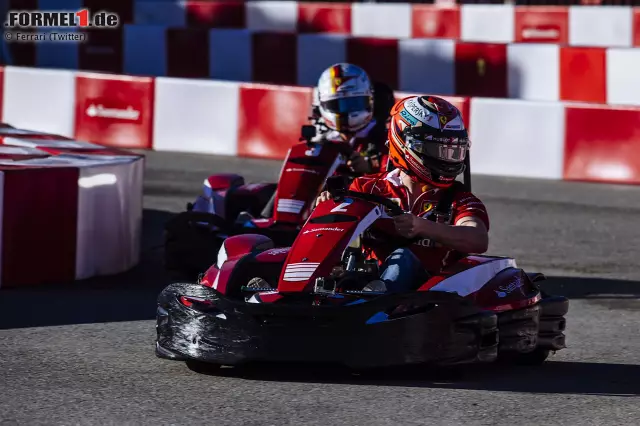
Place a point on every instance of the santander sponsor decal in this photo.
(542, 33)
(99, 110)
(114, 111)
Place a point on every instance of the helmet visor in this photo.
(347, 105)
(453, 150)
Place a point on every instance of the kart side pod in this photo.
(239, 245)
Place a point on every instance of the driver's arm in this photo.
(468, 235)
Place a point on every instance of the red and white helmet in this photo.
(345, 97)
(428, 140)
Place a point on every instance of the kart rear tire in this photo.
(536, 357)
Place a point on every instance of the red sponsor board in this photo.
(378, 56)
(270, 119)
(187, 52)
(602, 144)
(275, 58)
(218, 14)
(432, 21)
(481, 70)
(324, 18)
(39, 225)
(102, 51)
(542, 24)
(114, 110)
(583, 74)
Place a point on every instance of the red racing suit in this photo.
(389, 185)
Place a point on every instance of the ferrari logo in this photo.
(443, 120)
(338, 82)
(427, 207)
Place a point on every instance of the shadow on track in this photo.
(556, 377)
(129, 296)
(581, 288)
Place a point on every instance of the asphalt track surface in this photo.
(83, 353)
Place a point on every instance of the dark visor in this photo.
(440, 150)
(346, 105)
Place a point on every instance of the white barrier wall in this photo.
(487, 23)
(87, 205)
(381, 20)
(517, 138)
(623, 76)
(534, 71)
(272, 15)
(42, 100)
(196, 116)
(604, 26)
(109, 217)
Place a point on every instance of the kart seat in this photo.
(247, 198)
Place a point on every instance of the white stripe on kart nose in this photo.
(300, 271)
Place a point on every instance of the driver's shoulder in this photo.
(467, 199)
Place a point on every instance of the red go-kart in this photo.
(313, 307)
(229, 206)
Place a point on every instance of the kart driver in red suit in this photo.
(428, 143)
(347, 106)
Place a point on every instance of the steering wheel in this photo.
(393, 208)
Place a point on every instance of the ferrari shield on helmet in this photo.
(345, 98)
(428, 139)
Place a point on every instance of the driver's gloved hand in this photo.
(324, 196)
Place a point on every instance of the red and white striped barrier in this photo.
(69, 210)
(550, 140)
(606, 26)
(519, 71)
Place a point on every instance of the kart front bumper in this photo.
(441, 328)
